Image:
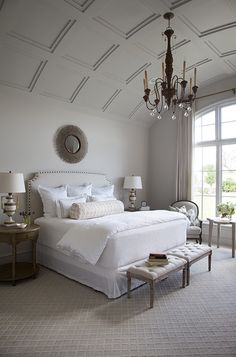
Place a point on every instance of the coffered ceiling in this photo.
(93, 53)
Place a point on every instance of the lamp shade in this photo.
(134, 182)
(11, 182)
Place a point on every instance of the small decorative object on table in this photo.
(226, 209)
(26, 217)
(144, 206)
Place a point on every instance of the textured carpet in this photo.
(55, 316)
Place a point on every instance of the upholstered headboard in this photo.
(57, 178)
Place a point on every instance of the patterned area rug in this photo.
(55, 316)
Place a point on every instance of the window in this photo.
(214, 158)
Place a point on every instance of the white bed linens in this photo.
(88, 239)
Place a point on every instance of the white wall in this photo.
(28, 125)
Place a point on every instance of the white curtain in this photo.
(184, 156)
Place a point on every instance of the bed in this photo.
(125, 247)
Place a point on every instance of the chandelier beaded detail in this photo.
(170, 91)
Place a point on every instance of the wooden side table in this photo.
(220, 222)
(19, 270)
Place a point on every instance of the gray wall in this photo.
(28, 125)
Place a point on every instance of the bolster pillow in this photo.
(95, 209)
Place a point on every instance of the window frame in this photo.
(217, 142)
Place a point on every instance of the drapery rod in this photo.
(211, 94)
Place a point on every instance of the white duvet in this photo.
(88, 239)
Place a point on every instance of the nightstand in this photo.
(19, 270)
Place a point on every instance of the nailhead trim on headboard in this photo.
(36, 177)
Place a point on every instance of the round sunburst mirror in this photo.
(71, 143)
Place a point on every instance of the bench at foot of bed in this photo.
(154, 274)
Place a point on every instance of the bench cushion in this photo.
(191, 252)
(156, 272)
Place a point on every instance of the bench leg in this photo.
(209, 261)
(128, 284)
(184, 276)
(151, 293)
(188, 273)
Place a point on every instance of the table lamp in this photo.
(133, 183)
(10, 183)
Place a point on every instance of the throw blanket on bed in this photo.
(88, 239)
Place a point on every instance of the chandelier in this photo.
(170, 91)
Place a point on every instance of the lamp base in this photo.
(9, 224)
(132, 200)
(131, 209)
(9, 208)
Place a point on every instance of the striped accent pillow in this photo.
(95, 209)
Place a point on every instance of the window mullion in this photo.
(218, 156)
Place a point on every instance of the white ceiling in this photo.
(93, 53)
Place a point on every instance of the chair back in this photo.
(188, 205)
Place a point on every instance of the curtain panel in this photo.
(184, 156)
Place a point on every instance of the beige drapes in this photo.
(184, 156)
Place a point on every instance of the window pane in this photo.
(208, 118)
(205, 127)
(197, 183)
(197, 159)
(209, 206)
(229, 157)
(228, 121)
(228, 130)
(209, 158)
(208, 132)
(228, 113)
(209, 183)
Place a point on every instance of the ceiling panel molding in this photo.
(78, 89)
(198, 64)
(134, 111)
(178, 3)
(33, 81)
(54, 43)
(217, 51)
(80, 5)
(70, 99)
(96, 64)
(37, 75)
(174, 4)
(111, 99)
(208, 32)
(137, 72)
(231, 65)
(218, 29)
(132, 31)
(175, 47)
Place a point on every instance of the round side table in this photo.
(219, 222)
(19, 270)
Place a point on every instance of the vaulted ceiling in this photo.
(93, 53)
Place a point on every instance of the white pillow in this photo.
(63, 206)
(49, 195)
(105, 191)
(98, 198)
(79, 190)
(95, 209)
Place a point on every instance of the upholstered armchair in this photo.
(191, 210)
